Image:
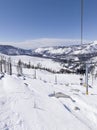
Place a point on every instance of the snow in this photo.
(53, 50)
(41, 50)
(31, 104)
(43, 62)
(86, 49)
(60, 51)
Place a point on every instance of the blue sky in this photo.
(22, 20)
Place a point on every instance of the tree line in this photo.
(6, 66)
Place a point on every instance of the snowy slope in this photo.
(51, 101)
(33, 104)
(66, 55)
(43, 62)
(67, 51)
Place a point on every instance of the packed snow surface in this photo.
(49, 102)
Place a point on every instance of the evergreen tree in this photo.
(9, 66)
(19, 68)
(1, 65)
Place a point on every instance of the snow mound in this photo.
(41, 104)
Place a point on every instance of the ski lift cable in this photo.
(82, 10)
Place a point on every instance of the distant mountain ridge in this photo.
(56, 52)
(67, 52)
(71, 57)
(11, 50)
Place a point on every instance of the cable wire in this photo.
(82, 13)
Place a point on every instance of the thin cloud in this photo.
(44, 42)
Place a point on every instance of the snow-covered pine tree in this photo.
(5, 65)
(9, 66)
(1, 65)
(34, 76)
(19, 68)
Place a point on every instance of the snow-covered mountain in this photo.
(68, 50)
(52, 51)
(10, 50)
(41, 100)
(65, 55)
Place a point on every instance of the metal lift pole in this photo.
(82, 11)
(86, 78)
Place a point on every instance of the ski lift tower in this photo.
(86, 64)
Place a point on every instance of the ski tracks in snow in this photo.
(24, 107)
(83, 111)
(9, 119)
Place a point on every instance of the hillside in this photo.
(11, 50)
(43, 104)
(38, 99)
(68, 58)
(52, 52)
